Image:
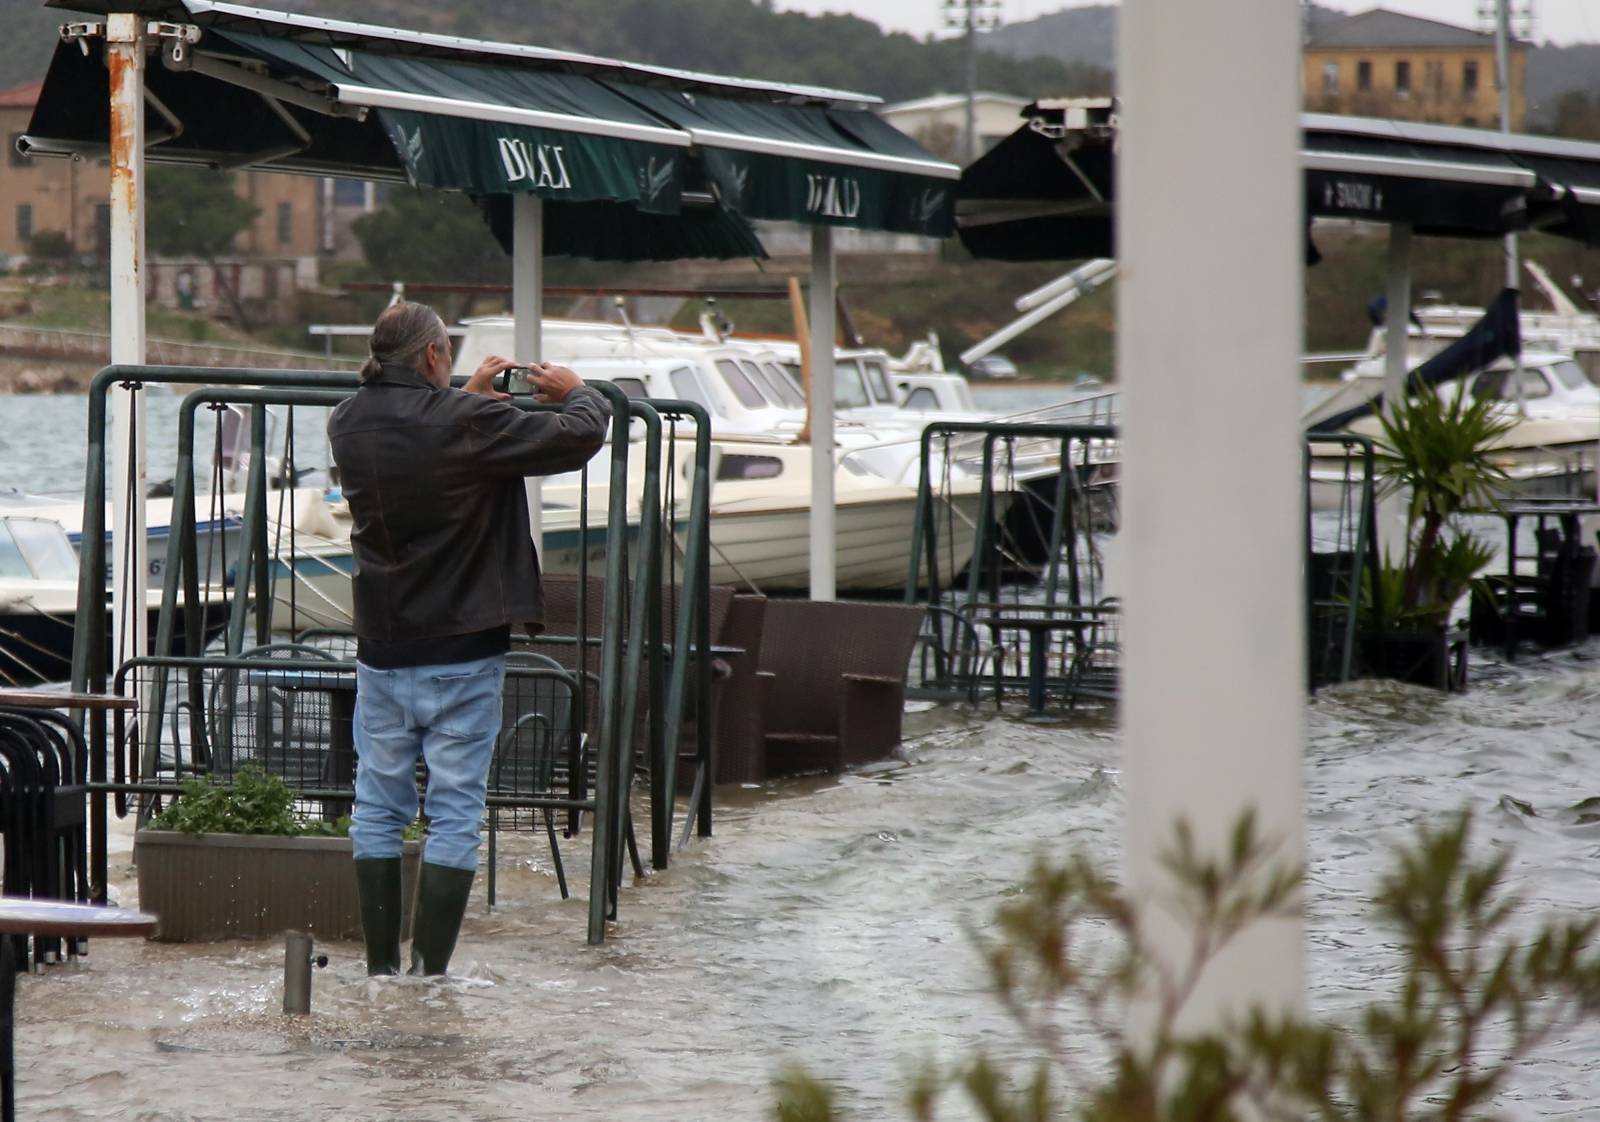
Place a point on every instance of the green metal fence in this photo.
(636, 659)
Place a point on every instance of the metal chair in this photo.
(538, 745)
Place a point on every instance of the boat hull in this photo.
(770, 550)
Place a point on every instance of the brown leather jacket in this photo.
(440, 530)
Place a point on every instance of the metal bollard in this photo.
(297, 964)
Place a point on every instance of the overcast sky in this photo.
(1563, 21)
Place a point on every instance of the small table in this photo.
(1039, 629)
(48, 699)
(21, 916)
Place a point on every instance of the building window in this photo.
(285, 223)
(1469, 79)
(24, 223)
(1330, 79)
(349, 192)
(1364, 76)
(1402, 78)
(18, 160)
(1433, 78)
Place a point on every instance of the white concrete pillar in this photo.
(1214, 679)
(130, 579)
(824, 551)
(1392, 509)
(527, 310)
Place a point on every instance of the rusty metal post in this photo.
(125, 61)
(297, 964)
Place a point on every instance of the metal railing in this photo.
(636, 660)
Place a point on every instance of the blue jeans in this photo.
(448, 715)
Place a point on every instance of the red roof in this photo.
(24, 96)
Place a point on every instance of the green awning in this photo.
(489, 130)
(600, 140)
(809, 163)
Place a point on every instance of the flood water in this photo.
(827, 922)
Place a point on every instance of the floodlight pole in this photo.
(969, 140)
(125, 43)
(823, 297)
(1502, 81)
(527, 312)
(1208, 739)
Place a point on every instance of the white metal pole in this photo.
(130, 580)
(824, 555)
(1392, 510)
(1502, 82)
(527, 310)
(1214, 680)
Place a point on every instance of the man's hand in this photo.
(482, 380)
(552, 382)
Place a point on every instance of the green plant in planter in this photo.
(1440, 454)
(1476, 996)
(255, 802)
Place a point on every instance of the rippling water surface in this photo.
(827, 921)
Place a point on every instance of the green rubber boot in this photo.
(442, 894)
(378, 888)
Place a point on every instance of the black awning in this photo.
(281, 91)
(809, 163)
(1048, 190)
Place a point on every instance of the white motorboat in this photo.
(1549, 450)
(761, 495)
(39, 601)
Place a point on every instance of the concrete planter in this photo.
(241, 886)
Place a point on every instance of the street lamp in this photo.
(971, 17)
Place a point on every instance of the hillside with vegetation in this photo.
(744, 37)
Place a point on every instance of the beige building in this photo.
(1385, 64)
(300, 217)
(939, 122)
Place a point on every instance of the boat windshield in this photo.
(687, 386)
(777, 382)
(739, 382)
(1571, 375)
(849, 391)
(878, 379)
(43, 548)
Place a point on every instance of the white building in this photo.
(938, 122)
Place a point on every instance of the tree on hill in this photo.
(742, 37)
(431, 236)
(194, 212)
(1577, 115)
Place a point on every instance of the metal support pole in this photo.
(1206, 740)
(297, 963)
(969, 138)
(125, 60)
(527, 310)
(824, 554)
(1397, 361)
(1502, 83)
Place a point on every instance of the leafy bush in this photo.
(1477, 996)
(254, 803)
(1437, 453)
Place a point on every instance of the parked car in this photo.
(994, 366)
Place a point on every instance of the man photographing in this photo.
(444, 567)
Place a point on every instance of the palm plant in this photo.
(1438, 452)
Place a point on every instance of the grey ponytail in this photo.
(401, 337)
